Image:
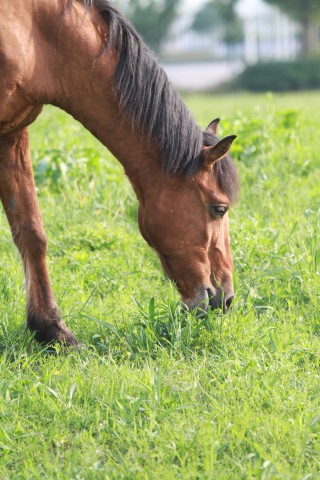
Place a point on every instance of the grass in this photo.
(154, 394)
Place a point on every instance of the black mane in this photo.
(148, 99)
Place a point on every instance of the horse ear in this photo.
(212, 154)
(212, 127)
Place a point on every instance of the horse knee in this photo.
(37, 240)
(31, 239)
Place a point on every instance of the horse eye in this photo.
(218, 210)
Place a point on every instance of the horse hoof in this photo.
(65, 336)
(56, 335)
(53, 332)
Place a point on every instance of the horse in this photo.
(85, 57)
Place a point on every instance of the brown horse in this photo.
(84, 57)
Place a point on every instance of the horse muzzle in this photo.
(208, 298)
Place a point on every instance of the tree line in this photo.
(153, 19)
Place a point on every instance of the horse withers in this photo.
(84, 57)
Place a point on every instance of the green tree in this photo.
(307, 13)
(220, 14)
(207, 18)
(152, 18)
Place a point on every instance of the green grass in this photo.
(154, 394)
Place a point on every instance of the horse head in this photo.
(185, 220)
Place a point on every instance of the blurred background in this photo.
(257, 45)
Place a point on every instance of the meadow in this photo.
(154, 393)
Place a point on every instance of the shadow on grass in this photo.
(19, 343)
(165, 327)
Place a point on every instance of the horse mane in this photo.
(148, 100)
(146, 96)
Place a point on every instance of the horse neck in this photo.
(82, 85)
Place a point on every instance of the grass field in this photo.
(152, 394)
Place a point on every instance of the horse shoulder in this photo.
(17, 59)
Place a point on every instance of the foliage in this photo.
(155, 393)
(207, 18)
(307, 13)
(301, 10)
(152, 18)
(300, 74)
(220, 14)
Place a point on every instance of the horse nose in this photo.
(227, 302)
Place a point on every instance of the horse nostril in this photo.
(228, 302)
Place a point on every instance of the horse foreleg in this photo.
(19, 199)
